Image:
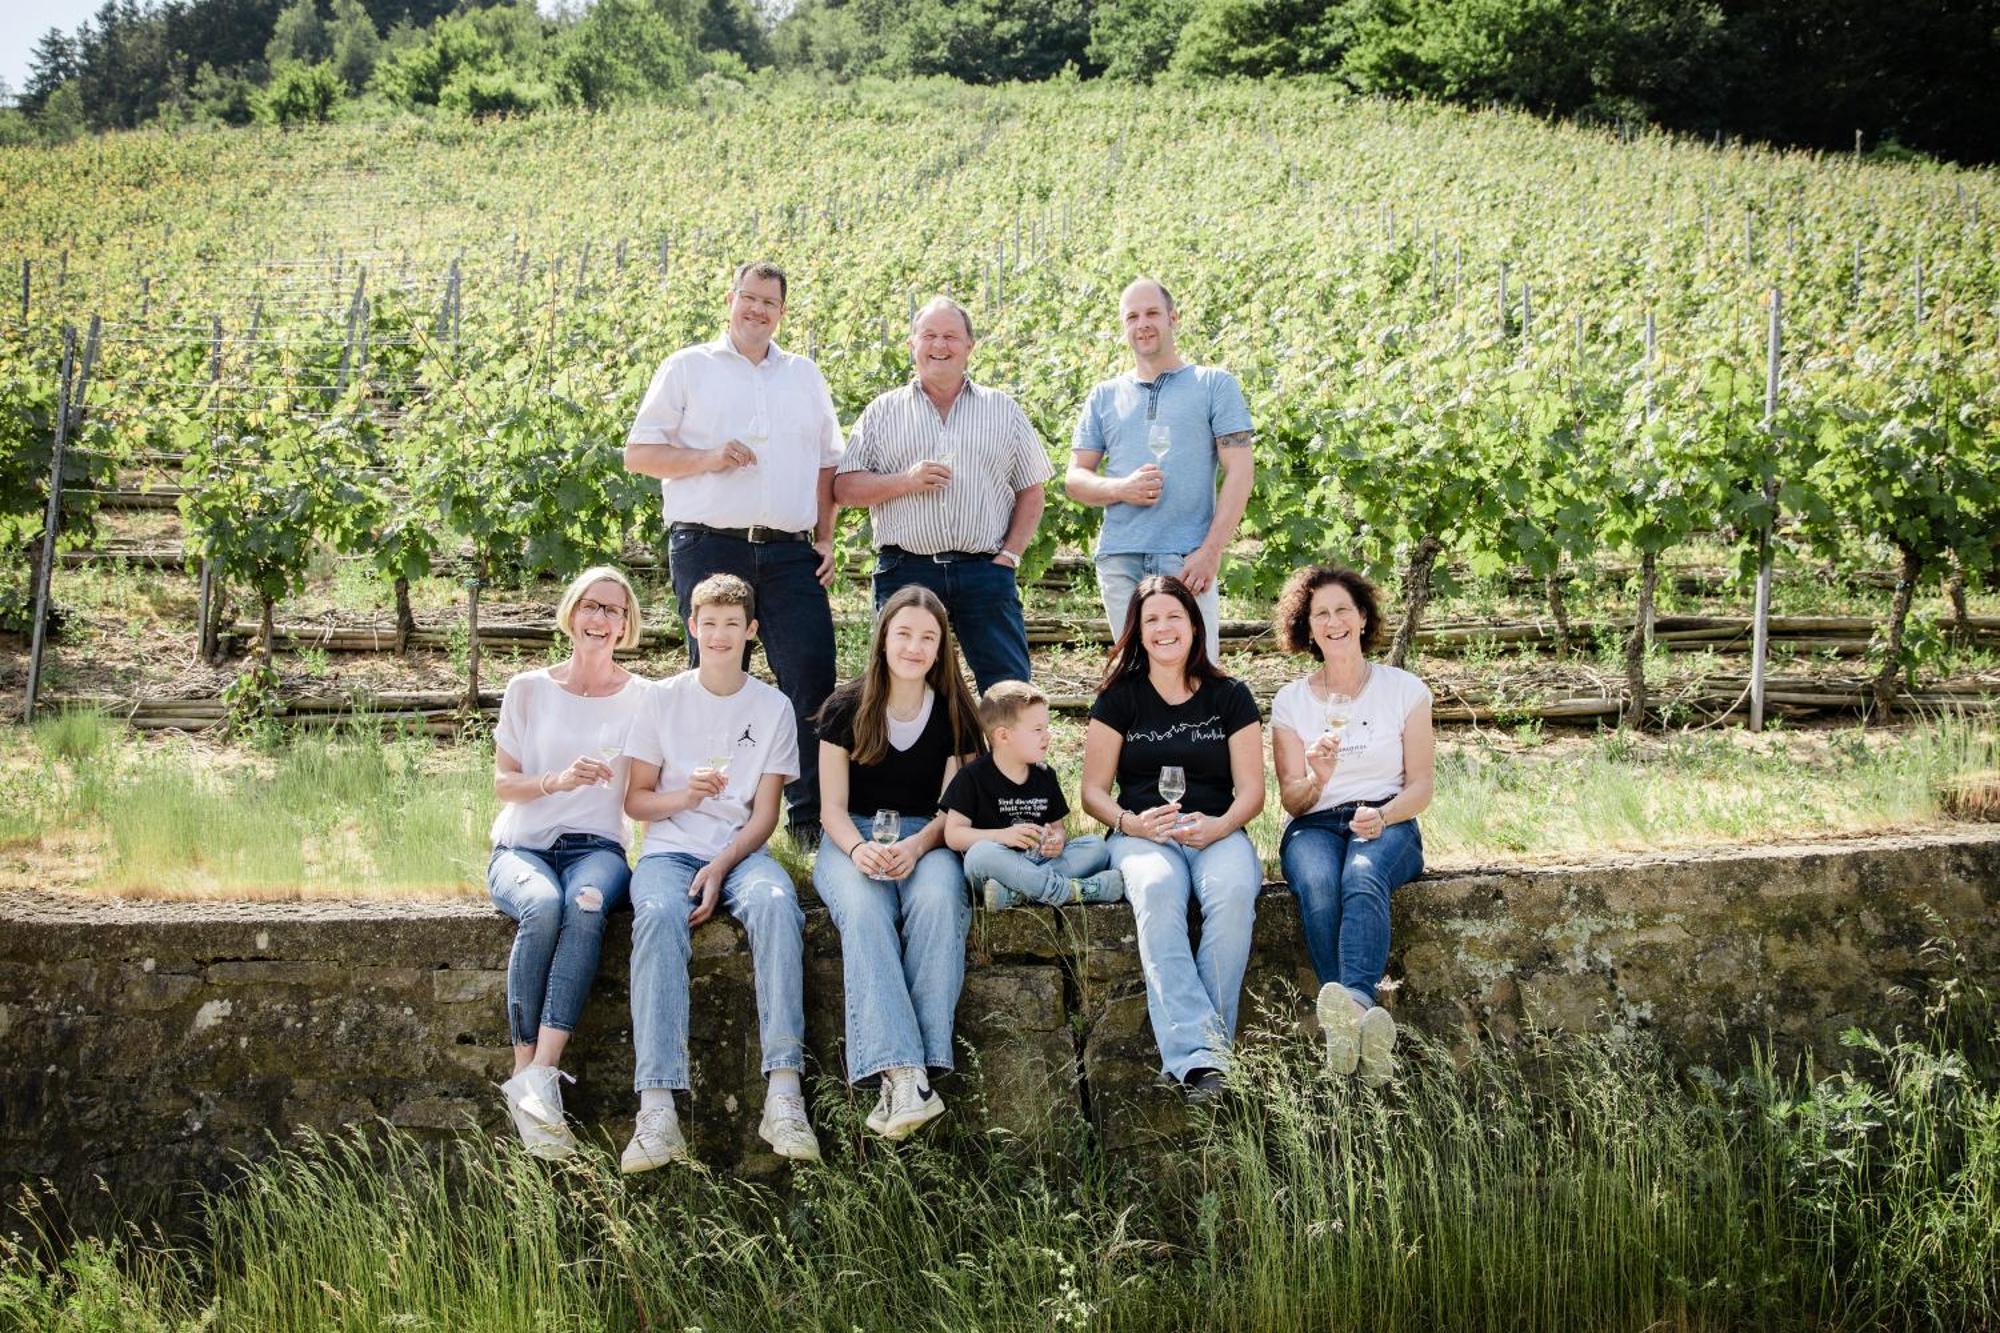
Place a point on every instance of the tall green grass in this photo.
(1563, 1183)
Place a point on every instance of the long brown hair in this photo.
(868, 694)
(1128, 655)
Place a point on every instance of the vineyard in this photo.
(1611, 375)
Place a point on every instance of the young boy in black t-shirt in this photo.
(1004, 814)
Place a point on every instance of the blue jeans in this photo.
(758, 893)
(980, 598)
(559, 896)
(1191, 993)
(1036, 879)
(902, 956)
(1342, 883)
(1118, 578)
(793, 621)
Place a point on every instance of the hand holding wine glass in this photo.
(885, 830)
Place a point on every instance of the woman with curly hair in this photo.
(1353, 750)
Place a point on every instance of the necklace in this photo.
(1327, 685)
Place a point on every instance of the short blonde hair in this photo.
(1003, 704)
(566, 608)
(722, 590)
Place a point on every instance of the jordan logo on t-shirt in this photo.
(747, 738)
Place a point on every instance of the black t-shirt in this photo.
(1194, 735)
(906, 781)
(989, 799)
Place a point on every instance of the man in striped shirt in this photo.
(951, 473)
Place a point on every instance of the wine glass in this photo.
(610, 743)
(887, 827)
(1339, 712)
(758, 433)
(1173, 786)
(1160, 440)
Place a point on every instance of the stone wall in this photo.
(148, 1042)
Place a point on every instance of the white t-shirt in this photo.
(545, 728)
(684, 727)
(1371, 750)
(704, 396)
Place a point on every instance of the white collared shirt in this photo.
(706, 395)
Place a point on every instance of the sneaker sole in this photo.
(1341, 1025)
(1378, 1047)
(898, 1130)
(798, 1155)
(639, 1166)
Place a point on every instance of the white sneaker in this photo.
(878, 1119)
(536, 1092)
(786, 1128)
(549, 1143)
(997, 896)
(1378, 1047)
(1340, 1020)
(906, 1105)
(656, 1140)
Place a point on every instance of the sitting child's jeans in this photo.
(1032, 876)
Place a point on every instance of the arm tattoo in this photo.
(1236, 439)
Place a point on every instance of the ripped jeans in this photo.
(559, 895)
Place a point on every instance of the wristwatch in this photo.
(1013, 561)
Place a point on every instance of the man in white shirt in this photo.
(709, 753)
(952, 474)
(743, 438)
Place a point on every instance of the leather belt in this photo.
(754, 533)
(941, 557)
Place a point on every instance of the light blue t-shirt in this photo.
(1196, 403)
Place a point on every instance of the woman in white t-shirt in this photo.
(559, 842)
(1353, 750)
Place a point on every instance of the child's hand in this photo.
(1020, 837)
(1053, 840)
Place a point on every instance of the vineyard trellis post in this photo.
(45, 562)
(1760, 642)
(27, 286)
(207, 603)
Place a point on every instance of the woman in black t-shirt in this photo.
(1164, 706)
(888, 743)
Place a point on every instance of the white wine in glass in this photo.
(886, 828)
(1161, 441)
(1339, 712)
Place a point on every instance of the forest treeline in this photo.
(1912, 77)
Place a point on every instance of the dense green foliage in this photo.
(1564, 1183)
(1438, 317)
(1813, 73)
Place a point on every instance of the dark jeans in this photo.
(1343, 883)
(794, 623)
(980, 598)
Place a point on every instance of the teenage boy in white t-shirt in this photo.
(710, 757)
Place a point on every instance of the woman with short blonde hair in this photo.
(559, 842)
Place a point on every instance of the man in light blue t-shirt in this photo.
(1159, 431)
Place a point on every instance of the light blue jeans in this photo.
(758, 893)
(902, 956)
(1118, 578)
(559, 896)
(1191, 994)
(1028, 874)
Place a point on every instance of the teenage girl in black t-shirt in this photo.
(890, 741)
(1164, 704)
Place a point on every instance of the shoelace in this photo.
(787, 1107)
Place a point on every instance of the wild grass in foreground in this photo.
(353, 812)
(1564, 1184)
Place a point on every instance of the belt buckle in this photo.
(762, 535)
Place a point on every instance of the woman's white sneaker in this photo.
(906, 1105)
(1378, 1047)
(536, 1092)
(656, 1140)
(786, 1128)
(1340, 1020)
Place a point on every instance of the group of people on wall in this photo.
(919, 798)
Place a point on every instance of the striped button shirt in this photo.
(987, 441)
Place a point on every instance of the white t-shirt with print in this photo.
(684, 727)
(1370, 766)
(545, 728)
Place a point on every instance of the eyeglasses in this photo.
(586, 607)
